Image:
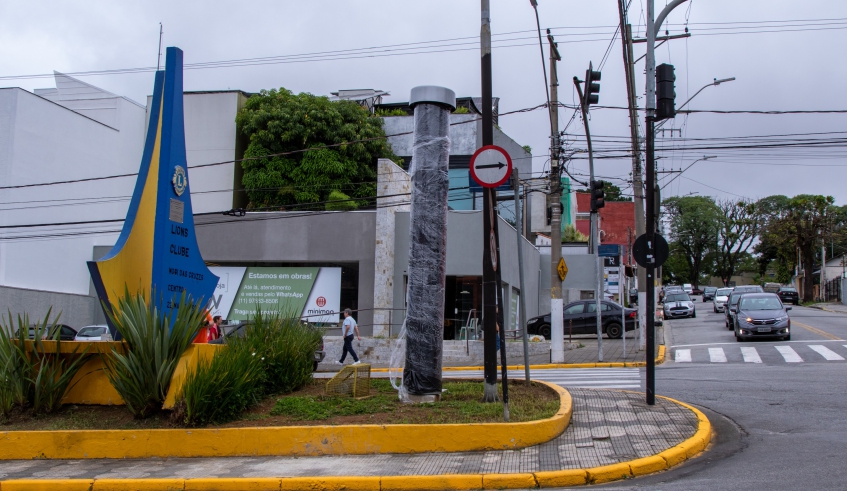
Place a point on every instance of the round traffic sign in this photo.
(645, 255)
(491, 166)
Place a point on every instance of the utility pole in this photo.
(522, 305)
(490, 254)
(637, 183)
(557, 316)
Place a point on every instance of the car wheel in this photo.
(315, 366)
(786, 338)
(694, 314)
(738, 339)
(614, 331)
(715, 309)
(544, 330)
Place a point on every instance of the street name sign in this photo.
(491, 166)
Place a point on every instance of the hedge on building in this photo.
(303, 147)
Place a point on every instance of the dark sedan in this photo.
(65, 333)
(580, 318)
(761, 315)
(789, 295)
(709, 293)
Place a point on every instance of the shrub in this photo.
(220, 389)
(287, 346)
(154, 343)
(30, 376)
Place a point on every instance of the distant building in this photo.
(617, 222)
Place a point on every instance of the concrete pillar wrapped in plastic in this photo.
(428, 242)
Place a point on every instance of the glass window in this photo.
(760, 303)
(677, 297)
(604, 307)
(574, 309)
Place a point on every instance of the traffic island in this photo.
(613, 435)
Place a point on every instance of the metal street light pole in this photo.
(689, 166)
(713, 84)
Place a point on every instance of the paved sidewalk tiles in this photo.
(607, 427)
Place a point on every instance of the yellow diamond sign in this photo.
(562, 268)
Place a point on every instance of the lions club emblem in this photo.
(180, 180)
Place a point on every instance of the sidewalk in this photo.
(608, 428)
(830, 307)
(583, 350)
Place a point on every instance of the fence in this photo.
(833, 290)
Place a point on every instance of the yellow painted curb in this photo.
(544, 479)
(289, 441)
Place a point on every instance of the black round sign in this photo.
(641, 251)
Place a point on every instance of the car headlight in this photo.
(782, 319)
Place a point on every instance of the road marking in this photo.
(750, 355)
(826, 352)
(789, 354)
(817, 331)
(683, 356)
(735, 343)
(716, 355)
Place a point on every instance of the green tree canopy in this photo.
(298, 151)
(694, 224)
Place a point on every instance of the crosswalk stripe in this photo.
(717, 355)
(826, 352)
(683, 356)
(750, 355)
(789, 354)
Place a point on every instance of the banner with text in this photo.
(313, 292)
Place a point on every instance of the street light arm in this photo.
(713, 84)
(689, 166)
(667, 10)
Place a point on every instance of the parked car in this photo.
(679, 304)
(709, 293)
(66, 333)
(762, 315)
(687, 288)
(94, 333)
(580, 318)
(241, 330)
(633, 296)
(696, 291)
(788, 294)
(720, 298)
(771, 287)
(732, 302)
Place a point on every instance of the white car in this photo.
(94, 333)
(721, 296)
(687, 288)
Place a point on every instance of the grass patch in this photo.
(461, 403)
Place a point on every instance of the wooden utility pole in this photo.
(557, 317)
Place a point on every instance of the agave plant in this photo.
(33, 374)
(154, 342)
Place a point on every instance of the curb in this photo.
(542, 479)
(821, 307)
(660, 358)
(289, 441)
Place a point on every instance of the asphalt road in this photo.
(779, 425)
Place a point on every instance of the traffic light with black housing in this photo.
(665, 95)
(598, 195)
(592, 87)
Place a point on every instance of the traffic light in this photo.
(597, 195)
(665, 95)
(592, 88)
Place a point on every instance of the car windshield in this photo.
(710, 289)
(760, 303)
(92, 331)
(723, 292)
(677, 297)
(789, 290)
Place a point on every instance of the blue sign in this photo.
(609, 250)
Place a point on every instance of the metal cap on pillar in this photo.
(433, 94)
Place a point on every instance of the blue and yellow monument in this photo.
(157, 250)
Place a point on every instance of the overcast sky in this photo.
(780, 70)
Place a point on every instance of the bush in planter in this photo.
(220, 389)
(31, 375)
(154, 344)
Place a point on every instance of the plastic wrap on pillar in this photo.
(427, 248)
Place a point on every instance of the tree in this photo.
(675, 270)
(738, 227)
(803, 223)
(571, 234)
(694, 222)
(298, 151)
(610, 192)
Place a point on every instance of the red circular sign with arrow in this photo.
(491, 166)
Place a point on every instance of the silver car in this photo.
(93, 333)
(721, 296)
(679, 304)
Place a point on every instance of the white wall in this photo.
(44, 142)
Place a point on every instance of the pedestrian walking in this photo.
(348, 328)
